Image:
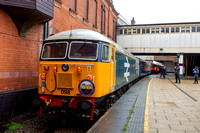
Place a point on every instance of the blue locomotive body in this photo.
(126, 70)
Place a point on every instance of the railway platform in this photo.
(154, 105)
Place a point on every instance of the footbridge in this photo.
(174, 39)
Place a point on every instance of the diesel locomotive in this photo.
(83, 72)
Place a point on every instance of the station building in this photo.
(168, 42)
(24, 26)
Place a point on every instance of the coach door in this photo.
(112, 68)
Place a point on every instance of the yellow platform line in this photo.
(146, 114)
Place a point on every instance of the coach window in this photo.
(105, 53)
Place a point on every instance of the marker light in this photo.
(43, 76)
(89, 77)
(79, 70)
(55, 69)
(46, 68)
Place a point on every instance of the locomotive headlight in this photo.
(85, 105)
(65, 67)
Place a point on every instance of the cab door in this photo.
(112, 61)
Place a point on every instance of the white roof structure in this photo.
(84, 34)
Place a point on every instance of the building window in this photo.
(73, 5)
(114, 28)
(167, 30)
(194, 29)
(102, 19)
(95, 12)
(157, 30)
(129, 31)
(182, 29)
(121, 31)
(198, 29)
(125, 31)
(138, 31)
(187, 29)
(86, 9)
(148, 30)
(162, 30)
(153, 30)
(143, 31)
(108, 22)
(172, 29)
(177, 29)
(134, 31)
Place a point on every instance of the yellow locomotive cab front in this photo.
(56, 81)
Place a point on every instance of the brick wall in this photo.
(64, 19)
(18, 55)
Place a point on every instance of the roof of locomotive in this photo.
(84, 34)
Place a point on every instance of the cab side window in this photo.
(105, 53)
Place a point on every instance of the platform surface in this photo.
(173, 107)
(154, 105)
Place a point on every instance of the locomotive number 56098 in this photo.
(65, 92)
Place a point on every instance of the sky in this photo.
(159, 11)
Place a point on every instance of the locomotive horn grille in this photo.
(64, 80)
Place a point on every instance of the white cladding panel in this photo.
(173, 42)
